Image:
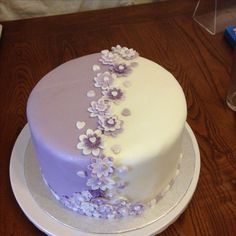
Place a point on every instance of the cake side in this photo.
(146, 149)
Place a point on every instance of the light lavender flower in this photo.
(98, 108)
(108, 57)
(101, 167)
(136, 208)
(104, 80)
(88, 208)
(120, 69)
(91, 143)
(125, 52)
(103, 183)
(106, 211)
(111, 125)
(114, 94)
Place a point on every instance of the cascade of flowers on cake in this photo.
(104, 178)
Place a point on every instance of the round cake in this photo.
(107, 131)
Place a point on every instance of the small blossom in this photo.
(98, 108)
(101, 167)
(120, 69)
(108, 57)
(88, 208)
(103, 183)
(104, 80)
(114, 94)
(91, 143)
(125, 52)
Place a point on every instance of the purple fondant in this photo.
(52, 130)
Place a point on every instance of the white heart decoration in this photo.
(96, 67)
(91, 93)
(80, 124)
(114, 93)
(92, 139)
(116, 149)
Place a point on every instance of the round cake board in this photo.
(44, 212)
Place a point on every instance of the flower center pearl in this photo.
(92, 139)
(121, 67)
(114, 93)
(111, 122)
(106, 78)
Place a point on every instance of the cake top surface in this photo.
(147, 108)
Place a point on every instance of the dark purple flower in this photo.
(114, 94)
(111, 125)
(120, 69)
(97, 193)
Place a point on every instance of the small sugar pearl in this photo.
(114, 93)
(92, 139)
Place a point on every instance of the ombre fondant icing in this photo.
(107, 131)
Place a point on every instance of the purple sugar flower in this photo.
(104, 80)
(108, 57)
(103, 183)
(101, 167)
(98, 108)
(114, 94)
(106, 211)
(97, 193)
(111, 125)
(120, 69)
(91, 143)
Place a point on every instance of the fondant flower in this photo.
(125, 52)
(110, 124)
(136, 209)
(116, 49)
(103, 183)
(98, 108)
(101, 167)
(104, 80)
(97, 193)
(91, 143)
(120, 69)
(106, 211)
(88, 208)
(114, 94)
(108, 57)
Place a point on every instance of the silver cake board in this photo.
(52, 218)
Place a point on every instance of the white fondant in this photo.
(80, 124)
(151, 137)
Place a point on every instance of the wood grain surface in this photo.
(163, 32)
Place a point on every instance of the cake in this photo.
(107, 131)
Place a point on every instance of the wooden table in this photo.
(163, 32)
